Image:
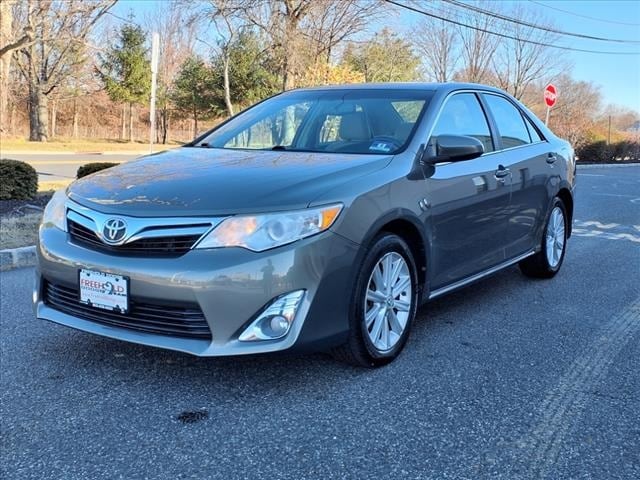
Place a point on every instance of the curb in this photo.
(606, 165)
(11, 258)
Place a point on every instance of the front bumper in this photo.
(227, 284)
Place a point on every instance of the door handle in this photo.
(502, 173)
(551, 158)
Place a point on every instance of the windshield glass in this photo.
(345, 121)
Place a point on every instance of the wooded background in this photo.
(75, 69)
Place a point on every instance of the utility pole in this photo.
(155, 47)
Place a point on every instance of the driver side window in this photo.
(463, 115)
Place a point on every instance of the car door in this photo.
(468, 198)
(526, 155)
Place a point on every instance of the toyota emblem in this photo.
(114, 230)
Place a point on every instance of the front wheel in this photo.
(384, 303)
(547, 262)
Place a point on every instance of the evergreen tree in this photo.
(126, 71)
(385, 58)
(250, 76)
(196, 93)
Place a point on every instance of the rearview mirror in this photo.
(456, 148)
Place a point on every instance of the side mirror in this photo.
(456, 148)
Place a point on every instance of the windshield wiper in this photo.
(279, 148)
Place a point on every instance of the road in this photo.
(63, 166)
(509, 378)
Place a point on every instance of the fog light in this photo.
(274, 321)
(279, 325)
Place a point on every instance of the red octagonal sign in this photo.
(550, 95)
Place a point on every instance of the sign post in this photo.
(155, 47)
(550, 97)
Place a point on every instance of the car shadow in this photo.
(121, 363)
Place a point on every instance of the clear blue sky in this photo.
(617, 75)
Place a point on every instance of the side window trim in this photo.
(525, 119)
(493, 126)
(531, 125)
(490, 126)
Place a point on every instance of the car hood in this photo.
(203, 181)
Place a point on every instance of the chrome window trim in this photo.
(486, 154)
(495, 120)
(139, 228)
(444, 102)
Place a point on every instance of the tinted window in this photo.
(509, 120)
(463, 115)
(353, 121)
(533, 132)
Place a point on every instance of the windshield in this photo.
(345, 121)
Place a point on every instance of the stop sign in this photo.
(550, 95)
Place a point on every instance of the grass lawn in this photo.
(19, 231)
(53, 185)
(80, 145)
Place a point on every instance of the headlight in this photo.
(55, 213)
(262, 232)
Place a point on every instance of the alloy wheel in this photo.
(555, 237)
(388, 301)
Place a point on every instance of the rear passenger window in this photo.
(509, 120)
(533, 132)
(463, 115)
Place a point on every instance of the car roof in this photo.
(442, 87)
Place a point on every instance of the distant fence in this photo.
(111, 133)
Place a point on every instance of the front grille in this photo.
(173, 245)
(177, 321)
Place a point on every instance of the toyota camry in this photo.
(318, 219)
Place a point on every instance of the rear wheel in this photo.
(547, 262)
(384, 303)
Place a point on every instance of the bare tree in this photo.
(577, 109)
(287, 17)
(60, 31)
(438, 45)
(332, 22)
(12, 37)
(518, 62)
(477, 45)
(177, 39)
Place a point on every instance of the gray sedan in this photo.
(317, 219)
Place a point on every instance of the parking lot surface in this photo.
(509, 378)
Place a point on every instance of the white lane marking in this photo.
(609, 231)
(619, 195)
(590, 174)
(580, 232)
(566, 401)
(595, 223)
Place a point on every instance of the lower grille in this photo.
(177, 321)
(176, 245)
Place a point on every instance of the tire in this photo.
(547, 262)
(380, 318)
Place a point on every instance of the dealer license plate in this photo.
(104, 290)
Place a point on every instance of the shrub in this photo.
(90, 168)
(600, 152)
(18, 180)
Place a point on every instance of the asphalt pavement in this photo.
(509, 378)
